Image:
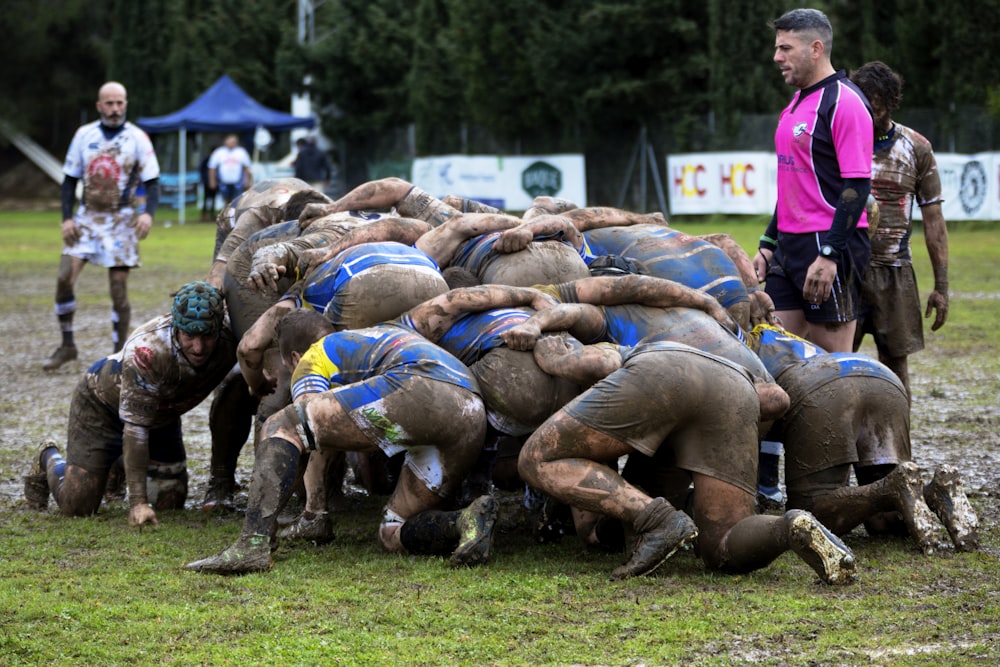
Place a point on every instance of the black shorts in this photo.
(786, 276)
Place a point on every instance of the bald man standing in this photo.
(116, 161)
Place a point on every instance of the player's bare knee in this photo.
(81, 492)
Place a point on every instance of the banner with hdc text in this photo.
(504, 181)
(744, 183)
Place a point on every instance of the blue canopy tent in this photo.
(224, 107)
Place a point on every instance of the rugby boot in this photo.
(316, 528)
(36, 484)
(220, 495)
(63, 354)
(769, 499)
(945, 495)
(553, 521)
(908, 491)
(250, 553)
(660, 531)
(823, 551)
(475, 526)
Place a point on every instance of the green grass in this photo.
(94, 592)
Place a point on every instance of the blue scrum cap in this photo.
(198, 309)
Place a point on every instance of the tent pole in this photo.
(182, 185)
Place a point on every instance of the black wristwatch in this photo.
(829, 252)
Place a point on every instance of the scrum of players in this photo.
(618, 372)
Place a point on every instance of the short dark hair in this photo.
(298, 201)
(877, 81)
(806, 20)
(298, 329)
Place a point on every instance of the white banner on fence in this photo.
(721, 182)
(969, 185)
(507, 182)
(744, 183)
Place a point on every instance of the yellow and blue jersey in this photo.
(475, 334)
(781, 350)
(327, 280)
(671, 254)
(387, 353)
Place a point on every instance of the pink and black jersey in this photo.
(824, 136)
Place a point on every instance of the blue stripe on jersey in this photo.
(388, 352)
(475, 334)
(671, 254)
(326, 281)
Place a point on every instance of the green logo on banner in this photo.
(541, 178)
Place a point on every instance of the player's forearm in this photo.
(67, 196)
(850, 206)
(936, 238)
(135, 451)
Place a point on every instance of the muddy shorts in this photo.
(419, 205)
(519, 395)
(859, 420)
(381, 293)
(890, 311)
(94, 435)
(687, 410)
(440, 426)
(541, 263)
(786, 276)
(106, 239)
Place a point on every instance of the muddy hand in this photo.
(141, 515)
(521, 337)
(70, 232)
(265, 276)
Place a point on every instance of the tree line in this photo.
(517, 76)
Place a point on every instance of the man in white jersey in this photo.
(115, 159)
(229, 169)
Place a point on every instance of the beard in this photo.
(112, 121)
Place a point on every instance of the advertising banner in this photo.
(504, 181)
(744, 183)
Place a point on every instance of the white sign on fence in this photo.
(744, 183)
(504, 181)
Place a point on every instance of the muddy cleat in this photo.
(63, 354)
(318, 528)
(475, 525)
(220, 496)
(661, 531)
(553, 521)
(770, 498)
(36, 483)
(908, 488)
(945, 495)
(823, 551)
(250, 553)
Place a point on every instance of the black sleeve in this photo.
(152, 195)
(769, 239)
(67, 196)
(850, 206)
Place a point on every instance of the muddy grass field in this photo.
(955, 415)
(942, 613)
